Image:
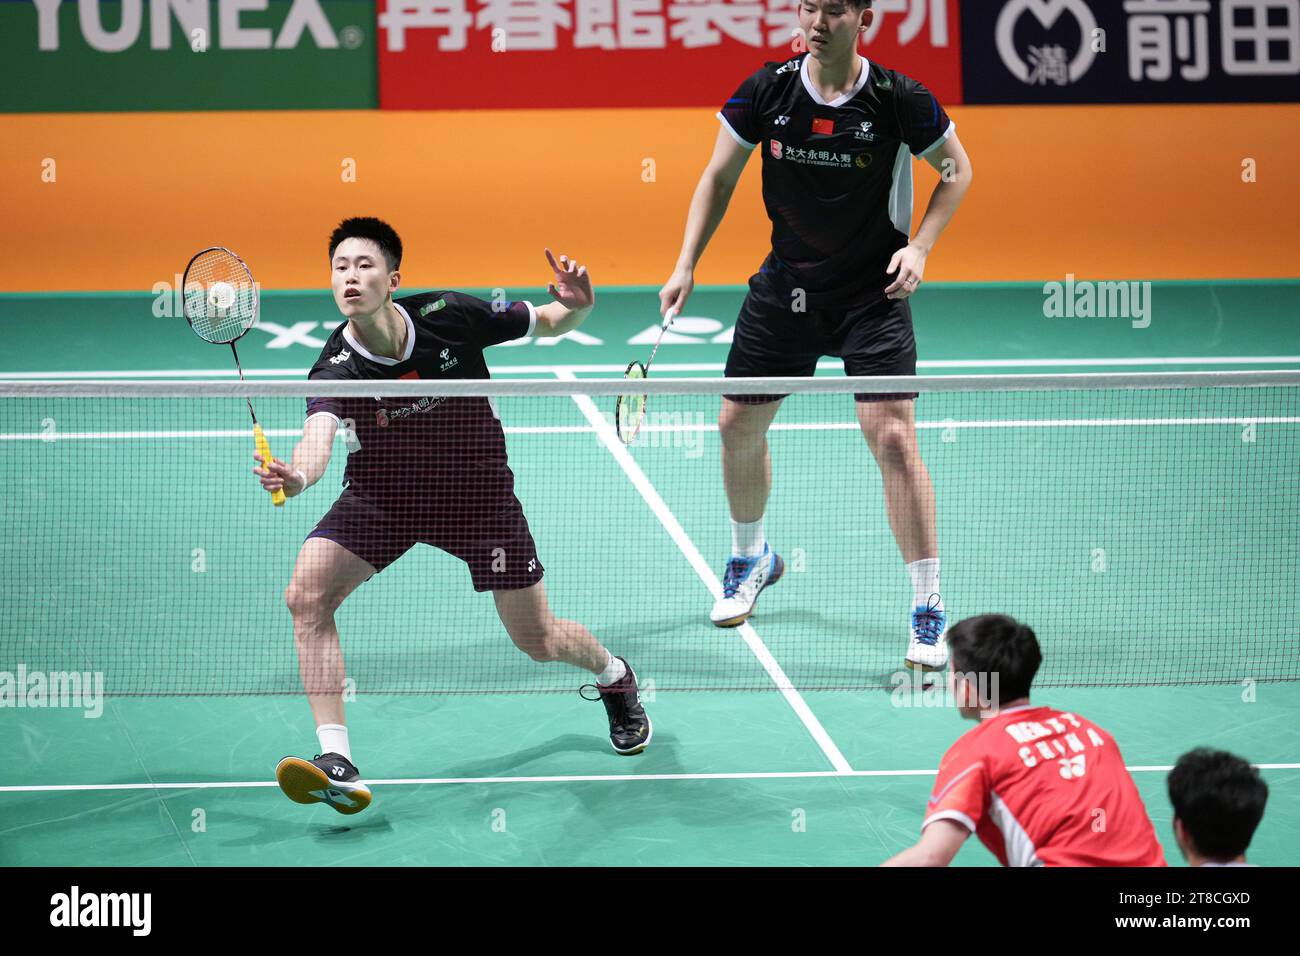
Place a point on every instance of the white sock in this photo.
(334, 740)
(747, 538)
(925, 581)
(613, 672)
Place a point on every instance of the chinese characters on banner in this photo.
(448, 54)
(1134, 51)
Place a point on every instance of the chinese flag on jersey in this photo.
(823, 127)
(1042, 787)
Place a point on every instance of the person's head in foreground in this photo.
(365, 256)
(1218, 802)
(992, 660)
(1038, 786)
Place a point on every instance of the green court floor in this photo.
(748, 777)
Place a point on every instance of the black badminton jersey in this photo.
(431, 447)
(837, 175)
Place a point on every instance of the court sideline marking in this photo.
(51, 437)
(688, 367)
(576, 778)
(605, 431)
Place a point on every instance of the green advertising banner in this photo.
(75, 55)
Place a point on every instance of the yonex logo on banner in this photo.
(305, 16)
(1046, 63)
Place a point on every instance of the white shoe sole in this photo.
(737, 620)
(927, 665)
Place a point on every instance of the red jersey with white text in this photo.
(1043, 787)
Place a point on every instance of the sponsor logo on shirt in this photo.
(819, 157)
(782, 120)
(389, 416)
(341, 357)
(864, 132)
(447, 360)
(432, 307)
(789, 67)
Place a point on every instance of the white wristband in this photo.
(302, 476)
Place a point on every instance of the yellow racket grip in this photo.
(264, 449)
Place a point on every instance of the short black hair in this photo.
(996, 644)
(1220, 799)
(377, 231)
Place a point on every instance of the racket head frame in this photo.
(626, 402)
(190, 317)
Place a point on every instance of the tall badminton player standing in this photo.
(427, 470)
(836, 133)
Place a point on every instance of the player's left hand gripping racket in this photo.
(630, 408)
(220, 302)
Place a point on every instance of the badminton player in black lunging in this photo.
(428, 470)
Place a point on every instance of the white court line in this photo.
(689, 367)
(998, 423)
(1115, 362)
(54, 437)
(605, 431)
(577, 778)
(290, 373)
(778, 426)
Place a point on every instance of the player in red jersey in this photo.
(1039, 786)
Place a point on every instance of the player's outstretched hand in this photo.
(909, 263)
(278, 476)
(676, 291)
(572, 286)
